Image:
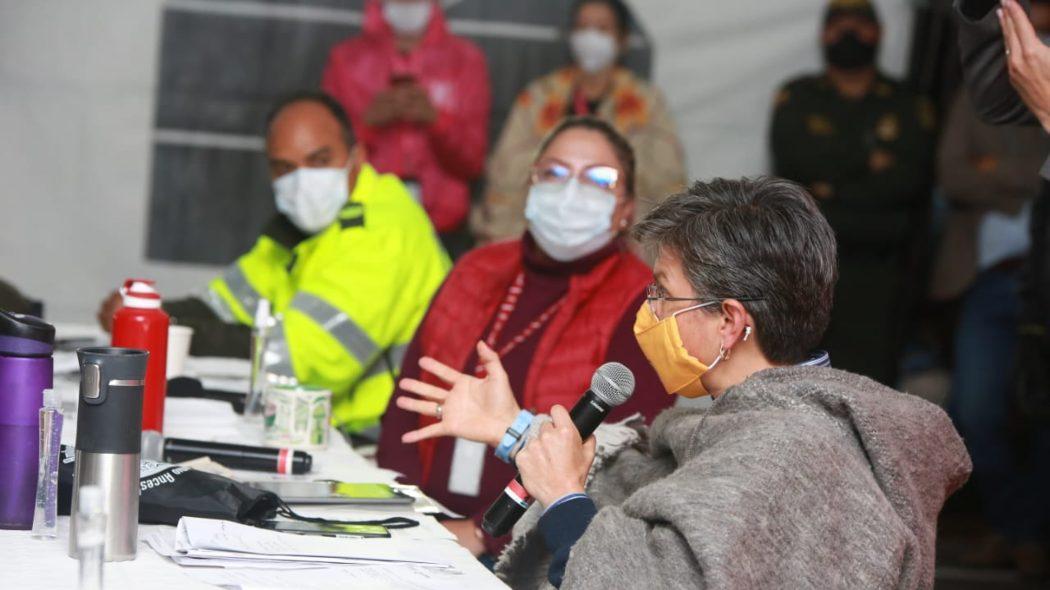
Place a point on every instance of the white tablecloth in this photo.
(29, 563)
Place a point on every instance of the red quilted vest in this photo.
(571, 348)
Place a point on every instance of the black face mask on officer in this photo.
(850, 52)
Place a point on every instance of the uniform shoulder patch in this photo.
(819, 126)
(888, 128)
(352, 215)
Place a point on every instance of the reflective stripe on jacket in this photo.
(348, 299)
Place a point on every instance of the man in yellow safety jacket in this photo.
(349, 266)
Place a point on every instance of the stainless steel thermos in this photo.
(109, 430)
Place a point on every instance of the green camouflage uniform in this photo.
(826, 142)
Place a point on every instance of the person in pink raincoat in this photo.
(419, 100)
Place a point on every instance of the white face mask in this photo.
(312, 197)
(570, 221)
(407, 18)
(592, 49)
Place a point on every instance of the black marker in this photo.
(285, 461)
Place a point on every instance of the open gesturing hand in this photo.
(1028, 60)
(471, 408)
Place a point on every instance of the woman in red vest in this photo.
(554, 305)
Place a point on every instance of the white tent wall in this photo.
(76, 107)
(77, 85)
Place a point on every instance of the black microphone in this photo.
(611, 386)
(286, 461)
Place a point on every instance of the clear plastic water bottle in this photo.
(91, 537)
(45, 519)
(260, 332)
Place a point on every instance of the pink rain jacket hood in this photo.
(443, 157)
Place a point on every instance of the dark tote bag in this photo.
(168, 492)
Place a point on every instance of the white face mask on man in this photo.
(407, 18)
(570, 220)
(592, 49)
(312, 197)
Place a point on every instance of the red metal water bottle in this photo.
(142, 324)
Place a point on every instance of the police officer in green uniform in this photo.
(862, 144)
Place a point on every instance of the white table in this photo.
(29, 563)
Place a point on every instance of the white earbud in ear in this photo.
(747, 333)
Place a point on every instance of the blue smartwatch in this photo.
(514, 434)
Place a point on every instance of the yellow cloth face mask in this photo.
(661, 343)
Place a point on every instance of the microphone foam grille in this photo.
(613, 383)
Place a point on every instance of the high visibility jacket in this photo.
(348, 299)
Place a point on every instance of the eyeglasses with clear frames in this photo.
(599, 176)
(655, 293)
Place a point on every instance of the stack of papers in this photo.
(373, 577)
(219, 543)
(233, 555)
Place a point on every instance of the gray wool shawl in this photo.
(800, 477)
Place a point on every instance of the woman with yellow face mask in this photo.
(797, 475)
(679, 371)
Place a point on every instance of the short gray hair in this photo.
(754, 238)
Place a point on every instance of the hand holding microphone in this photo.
(482, 409)
(554, 476)
(556, 461)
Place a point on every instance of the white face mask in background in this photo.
(592, 49)
(312, 197)
(407, 18)
(571, 220)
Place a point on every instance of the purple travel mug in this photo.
(26, 370)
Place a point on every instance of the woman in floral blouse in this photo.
(595, 84)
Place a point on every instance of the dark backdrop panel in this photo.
(202, 222)
(221, 74)
(224, 62)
